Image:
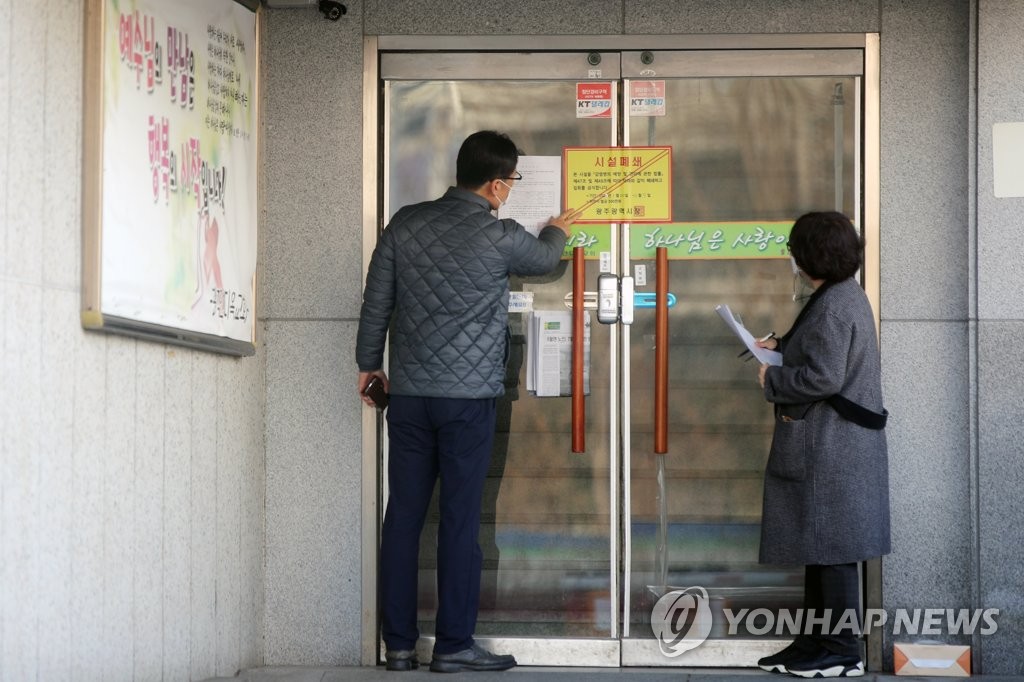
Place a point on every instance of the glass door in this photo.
(758, 139)
(579, 547)
(551, 518)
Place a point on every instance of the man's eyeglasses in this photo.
(516, 176)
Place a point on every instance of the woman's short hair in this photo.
(484, 156)
(826, 245)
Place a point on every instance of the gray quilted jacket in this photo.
(439, 278)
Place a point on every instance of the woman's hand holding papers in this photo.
(771, 343)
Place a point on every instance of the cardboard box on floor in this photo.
(932, 660)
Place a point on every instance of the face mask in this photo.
(500, 201)
(798, 274)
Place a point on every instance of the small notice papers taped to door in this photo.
(549, 353)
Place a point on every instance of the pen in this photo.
(769, 335)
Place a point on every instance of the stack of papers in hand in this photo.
(765, 356)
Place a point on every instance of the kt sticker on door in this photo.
(593, 100)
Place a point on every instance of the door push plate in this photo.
(614, 299)
(607, 298)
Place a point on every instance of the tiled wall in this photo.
(131, 473)
(925, 57)
(1000, 326)
(134, 476)
(939, 270)
(312, 236)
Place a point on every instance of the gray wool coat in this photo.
(826, 486)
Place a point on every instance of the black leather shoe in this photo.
(826, 664)
(776, 663)
(474, 658)
(404, 659)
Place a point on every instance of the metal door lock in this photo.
(614, 299)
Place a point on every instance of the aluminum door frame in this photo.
(674, 64)
(373, 47)
(491, 66)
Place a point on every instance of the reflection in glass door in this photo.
(579, 547)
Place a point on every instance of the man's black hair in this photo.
(484, 156)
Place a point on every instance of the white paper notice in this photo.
(768, 357)
(1008, 159)
(538, 196)
(520, 301)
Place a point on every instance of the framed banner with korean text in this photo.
(170, 200)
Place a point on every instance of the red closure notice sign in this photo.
(593, 100)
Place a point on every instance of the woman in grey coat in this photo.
(826, 487)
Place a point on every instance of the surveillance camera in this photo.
(331, 9)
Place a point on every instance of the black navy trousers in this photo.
(450, 438)
(834, 588)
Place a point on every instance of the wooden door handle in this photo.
(579, 417)
(661, 352)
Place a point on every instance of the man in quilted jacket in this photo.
(439, 280)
